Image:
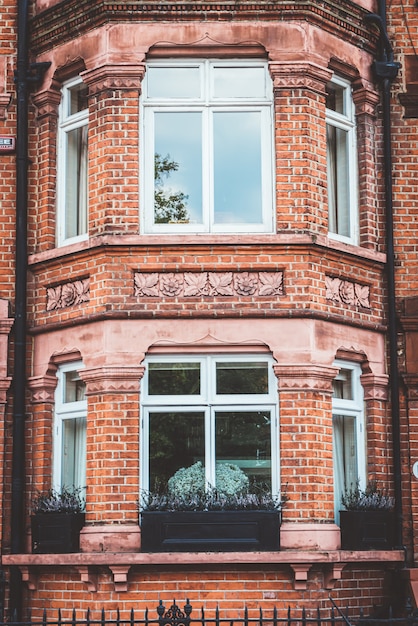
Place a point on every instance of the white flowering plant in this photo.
(187, 491)
(369, 499)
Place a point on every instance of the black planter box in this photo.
(209, 531)
(56, 532)
(367, 530)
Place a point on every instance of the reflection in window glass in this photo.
(342, 385)
(178, 168)
(176, 439)
(341, 161)
(239, 82)
(76, 193)
(77, 100)
(174, 379)
(173, 82)
(348, 432)
(208, 147)
(73, 467)
(72, 162)
(237, 167)
(241, 378)
(69, 432)
(74, 387)
(243, 438)
(224, 413)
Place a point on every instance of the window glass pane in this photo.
(77, 99)
(239, 82)
(76, 182)
(345, 456)
(73, 452)
(176, 439)
(342, 385)
(173, 82)
(178, 168)
(237, 167)
(241, 378)
(174, 379)
(338, 180)
(243, 438)
(74, 387)
(335, 100)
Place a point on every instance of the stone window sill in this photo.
(120, 563)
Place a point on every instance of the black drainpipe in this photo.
(386, 70)
(24, 75)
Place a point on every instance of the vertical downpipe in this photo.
(386, 70)
(19, 380)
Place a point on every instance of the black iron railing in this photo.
(176, 616)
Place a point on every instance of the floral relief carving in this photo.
(193, 284)
(346, 292)
(68, 294)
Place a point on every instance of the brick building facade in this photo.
(207, 281)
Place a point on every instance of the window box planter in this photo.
(210, 531)
(367, 530)
(56, 532)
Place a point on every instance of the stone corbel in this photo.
(301, 571)
(332, 574)
(29, 577)
(120, 576)
(88, 576)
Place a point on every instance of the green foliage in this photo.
(369, 499)
(168, 207)
(66, 500)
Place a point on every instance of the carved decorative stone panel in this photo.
(68, 294)
(193, 284)
(346, 292)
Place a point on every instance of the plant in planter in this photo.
(367, 523)
(190, 517)
(56, 521)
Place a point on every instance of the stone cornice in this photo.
(375, 387)
(299, 75)
(113, 77)
(112, 379)
(70, 18)
(43, 388)
(305, 377)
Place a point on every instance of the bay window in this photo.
(212, 409)
(348, 432)
(207, 161)
(69, 451)
(72, 163)
(341, 162)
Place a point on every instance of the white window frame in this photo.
(353, 408)
(66, 124)
(209, 402)
(346, 122)
(65, 411)
(150, 106)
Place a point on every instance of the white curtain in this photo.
(345, 457)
